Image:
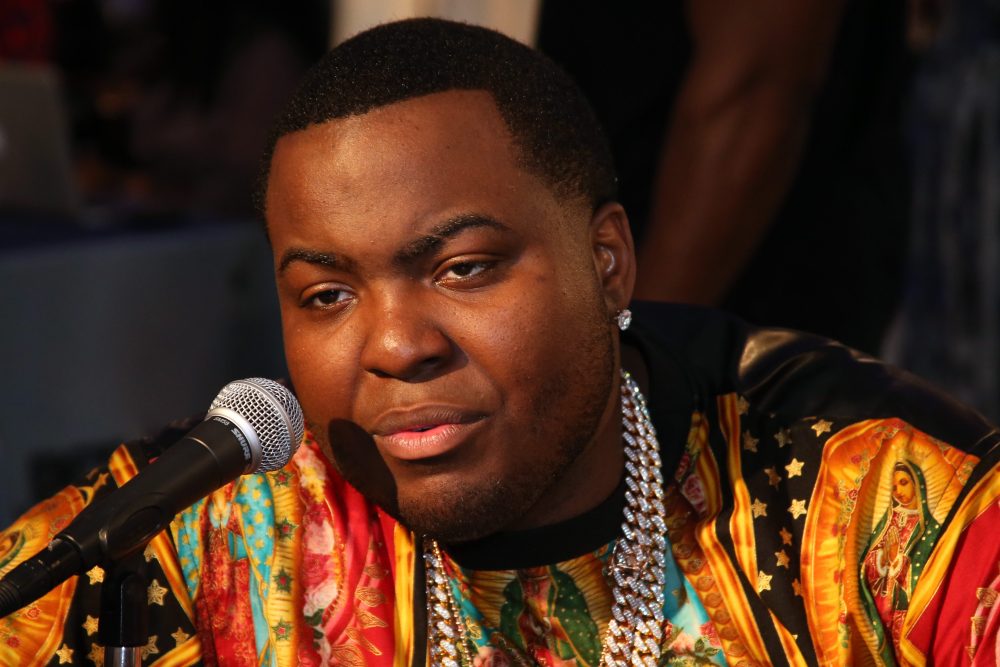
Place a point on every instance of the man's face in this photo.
(446, 323)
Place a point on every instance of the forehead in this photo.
(411, 158)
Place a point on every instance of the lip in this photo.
(420, 433)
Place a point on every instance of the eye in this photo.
(325, 297)
(466, 272)
(467, 269)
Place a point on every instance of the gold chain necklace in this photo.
(635, 631)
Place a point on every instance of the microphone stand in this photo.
(123, 629)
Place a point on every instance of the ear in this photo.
(614, 255)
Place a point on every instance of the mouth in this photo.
(424, 434)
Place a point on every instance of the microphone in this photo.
(253, 425)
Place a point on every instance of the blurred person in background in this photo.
(170, 101)
(759, 150)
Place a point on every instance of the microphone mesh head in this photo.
(274, 414)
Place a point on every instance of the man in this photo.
(483, 484)
(754, 142)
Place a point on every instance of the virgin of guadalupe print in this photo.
(891, 561)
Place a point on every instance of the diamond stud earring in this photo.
(624, 318)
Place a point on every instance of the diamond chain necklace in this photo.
(635, 574)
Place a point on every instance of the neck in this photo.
(536, 547)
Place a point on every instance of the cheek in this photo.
(539, 336)
(517, 338)
(322, 372)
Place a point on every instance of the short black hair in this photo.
(553, 126)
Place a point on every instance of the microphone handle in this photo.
(124, 521)
(38, 575)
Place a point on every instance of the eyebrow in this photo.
(450, 228)
(327, 259)
(411, 252)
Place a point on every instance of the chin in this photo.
(459, 513)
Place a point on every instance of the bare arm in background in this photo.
(734, 141)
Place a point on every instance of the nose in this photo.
(403, 341)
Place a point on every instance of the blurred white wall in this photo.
(515, 18)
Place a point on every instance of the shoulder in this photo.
(802, 448)
(791, 374)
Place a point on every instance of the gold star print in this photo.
(749, 442)
(758, 508)
(96, 654)
(786, 537)
(180, 636)
(783, 559)
(102, 479)
(150, 648)
(783, 437)
(90, 625)
(797, 587)
(797, 508)
(763, 581)
(742, 405)
(65, 655)
(148, 553)
(96, 575)
(773, 478)
(822, 426)
(794, 468)
(155, 593)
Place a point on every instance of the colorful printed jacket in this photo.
(822, 509)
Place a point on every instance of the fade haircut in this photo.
(554, 130)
